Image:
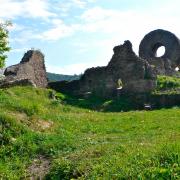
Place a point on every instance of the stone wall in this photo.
(135, 74)
(170, 60)
(31, 70)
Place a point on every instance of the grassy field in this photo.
(39, 135)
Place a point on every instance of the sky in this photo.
(78, 34)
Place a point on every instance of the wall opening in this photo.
(119, 84)
(177, 69)
(160, 51)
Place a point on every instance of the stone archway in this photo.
(158, 38)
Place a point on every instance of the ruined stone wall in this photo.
(170, 60)
(135, 73)
(31, 70)
(138, 74)
(94, 80)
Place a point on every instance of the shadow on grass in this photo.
(122, 103)
(97, 103)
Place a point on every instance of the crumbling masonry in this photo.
(126, 72)
(136, 74)
(30, 71)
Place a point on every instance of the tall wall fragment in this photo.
(31, 71)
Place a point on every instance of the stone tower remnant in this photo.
(167, 63)
(30, 71)
(135, 74)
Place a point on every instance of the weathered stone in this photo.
(140, 86)
(167, 63)
(30, 71)
(18, 82)
(134, 73)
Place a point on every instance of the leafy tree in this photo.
(4, 42)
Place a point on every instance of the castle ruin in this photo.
(126, 72)
(135, 74)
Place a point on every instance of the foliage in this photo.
(123, 103)
(82, 143)
(167, 82)
(3, 42)
(2, 77)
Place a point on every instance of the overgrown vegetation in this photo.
(167, 85)
(97, 103)
(3, 42)
(82, 143)
(167, 82)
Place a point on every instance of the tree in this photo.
(4, 42)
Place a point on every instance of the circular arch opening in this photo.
(159, 50)
(177, 69)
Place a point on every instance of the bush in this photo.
(167, 82)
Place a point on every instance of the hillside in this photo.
(61, 77)
(39, 135)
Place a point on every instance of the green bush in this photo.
(167, 82)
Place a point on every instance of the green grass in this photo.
(167, 85)
(98, 103)
(167, 82)
(85, 144)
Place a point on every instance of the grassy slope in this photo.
(85, 144)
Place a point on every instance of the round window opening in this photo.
(177, 69)
(160, 51)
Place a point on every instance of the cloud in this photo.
(16, 27)
(114, 26)
(11, 9)
(58, 31)
(96, 28)
(71, 69)
(117, 26)
(24, 36)
(130, 24)
(19, 50)
(67, 5)
(79, 3)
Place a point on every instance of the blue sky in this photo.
(77, 34)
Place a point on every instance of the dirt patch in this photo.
(44, 124)
(34, 123)
(39, 168)
(21, 117)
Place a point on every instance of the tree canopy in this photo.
(4, 42)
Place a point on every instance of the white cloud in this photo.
(123, 25)
(114, 26)
(24, 36)
(16, 27)
(79, 3)
(67, 5)
(59, 30)
(10, 9)
(19, 50)
(69, 69)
